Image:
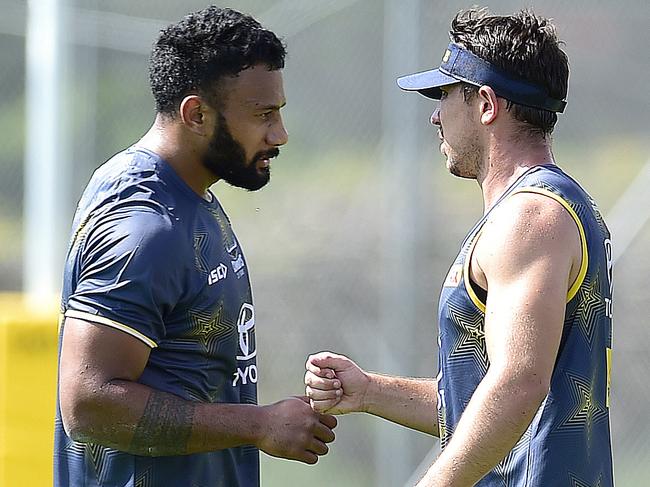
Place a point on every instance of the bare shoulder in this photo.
(531, 215)
(529, 229)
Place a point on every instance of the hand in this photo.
(295, 431)
(335, 384)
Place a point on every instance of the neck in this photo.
(504, 162)
(167, 139)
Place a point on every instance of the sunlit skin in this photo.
(527, 256)
(458, 134)
(252, 110)
(249, 103)
(102, 400)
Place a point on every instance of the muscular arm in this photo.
(101, 402)
(338, 385)
(528, 253)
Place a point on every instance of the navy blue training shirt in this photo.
(151, 258)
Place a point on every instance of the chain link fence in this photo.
(319, 237)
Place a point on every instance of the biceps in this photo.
(94, 354)
(523, 323)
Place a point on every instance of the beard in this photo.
(226, 158)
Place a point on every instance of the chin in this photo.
(258, 184)
(458, 171)
(453, 168)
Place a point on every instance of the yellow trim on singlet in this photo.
(608, 352)
(468, 286)
(113, 324)
(573, 290)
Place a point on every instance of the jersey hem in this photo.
(113, 324)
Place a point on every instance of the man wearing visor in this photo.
(522, 393)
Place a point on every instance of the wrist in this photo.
(223, 425)
(370, 397)
(258, 425)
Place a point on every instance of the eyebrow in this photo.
(261, 106)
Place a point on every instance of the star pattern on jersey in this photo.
(210, 395)
(592, 307)
(445, 433)
(99, 457)
(587, 409)
(577, 482)
(209, 328)
(200, 251)
(224, 225)
(145, 479)
(505, 469)
(470, 343)
(548, 187)
(80, 233)
(71, 447)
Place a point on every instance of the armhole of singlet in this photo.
(466, 277)
(573, 290)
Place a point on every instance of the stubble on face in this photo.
(464, 162)
(461, 148)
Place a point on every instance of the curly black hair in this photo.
(522, 44)
(194, 54)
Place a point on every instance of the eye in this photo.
(265, 115)
(443, 94)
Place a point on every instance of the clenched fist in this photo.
(335, 384)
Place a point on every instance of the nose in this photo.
(277, 134)
(435, 117)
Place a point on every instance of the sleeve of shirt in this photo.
(130, 274)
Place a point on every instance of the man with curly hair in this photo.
(158, 374)
(522, 393)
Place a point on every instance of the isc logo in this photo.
(217, 274)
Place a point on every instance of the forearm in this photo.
(137, 419)
(406, 401)
(494, 420)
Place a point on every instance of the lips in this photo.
(263, 159)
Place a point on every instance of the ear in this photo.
(194, 114)
(489, 104)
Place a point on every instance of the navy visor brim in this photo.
(427, 83)
(459, 64)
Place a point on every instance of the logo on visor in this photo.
(446, 56)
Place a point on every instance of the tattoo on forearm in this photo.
(165, 426)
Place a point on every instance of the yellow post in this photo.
(28, 365)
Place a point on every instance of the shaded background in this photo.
(348, 246)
